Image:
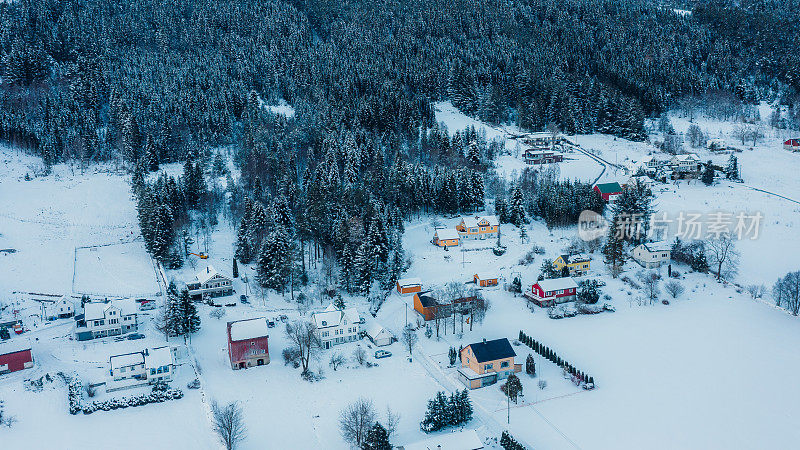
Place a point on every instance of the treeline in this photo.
(98, 80)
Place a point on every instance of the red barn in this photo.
(552, 291)
(15, 355)
(608, 190)
(247, 343)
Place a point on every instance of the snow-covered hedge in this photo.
(136, 400)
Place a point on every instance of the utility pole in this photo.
(508, 406)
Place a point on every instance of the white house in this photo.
(652, 254)
(147, 366)
(686, 163)
(57, 309)
(378, 335)
(337, 326)
(642, 180)
(210, 284)
(102, 319)
(456, 440)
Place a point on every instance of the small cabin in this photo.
(409, 285)
(485, 280)
(446, 237)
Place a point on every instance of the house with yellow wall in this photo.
(485, 227)
(446, 237)
(578, 264)
(484, 363)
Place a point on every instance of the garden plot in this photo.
(116, 270)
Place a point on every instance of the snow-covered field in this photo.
(115, 270)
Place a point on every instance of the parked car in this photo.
(270, 323)
(665, 302)
(382, 354)
(147, 305)
(135, 336)
(243, 299)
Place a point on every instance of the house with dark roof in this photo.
(608, 190)
(429, 307)
(483, 363)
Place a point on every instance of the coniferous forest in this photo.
(153, 81)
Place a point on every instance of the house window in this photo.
(504, 364)
(488, 366)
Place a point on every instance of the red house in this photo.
(792, 144)
(247, 343)
(15, 355)
(555, 290)
(608, 190)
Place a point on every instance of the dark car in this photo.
(270, 323)
(135, 336)
(665, 302)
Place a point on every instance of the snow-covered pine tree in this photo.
(276, 260)
(707, 177)
(190, 320)
(732, 170)
(614, 249)
(377, 439)
(235, 269)
(516, 207)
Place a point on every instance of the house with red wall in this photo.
(247, 343)
(15, 355)
(552, 291)
(608, 190)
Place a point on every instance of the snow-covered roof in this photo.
(580, 257)
(97, 310)
(159, 356)
(491, 219)
(687, 157)
(375, 330)
(659, 246)
(207, 274)
(557, 284)
(457, 440)
(242, 330)
(447, 234)
(332, 317)
(642, 179)
(469, 221)
(14, 345)
(126, 360)
(409, 282)
(485, 276)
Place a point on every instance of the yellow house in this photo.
(483, 363)
(478, 227)
(446, 237)
(578, 264)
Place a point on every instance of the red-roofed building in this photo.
(247, 343)
(792, 144)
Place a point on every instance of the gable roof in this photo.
(557, 284)
(409, 282)
(659, 246)
(97, 310)
(687, 157)
(447, 233)
(241, 330)
(492, 350)
(332, 317)
(609, 188)
(158, 356)
(375, 330)
(125, 360)
(469, 221)
(207, 274)
(492, 220)
(15, 345)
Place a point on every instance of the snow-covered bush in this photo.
(136, 400)
(194, 384)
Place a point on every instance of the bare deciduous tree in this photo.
(336, 360)
(356, 420)
(721, 253)
(674, 289)
(228, 423)
(410, 338)
(304, 337)
(787, 292)
(360, 355)
(392, 420)
(650, 284)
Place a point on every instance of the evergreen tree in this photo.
(516, 209)
(235, 269)
(530, 366)
(173, 320)
(377, 439)
(732, 171)
(338, 303)
(708, 174)
(190, 320)
(277, 260)
(614, 249)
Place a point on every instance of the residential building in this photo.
(15, 354)
(148, 366)
(446, 237)
(378, 334)
(642, 180)
(336, 326)
(248, 344)
(577, 264)
(792, 145)
(552, 291)
(485, 279)
(62, 308)
(102, 319)
(652, 254)
(210, 284)
(686, 165)
(478, 227)
(457, 440)
(544, 139)
(716, 145)
(608, 190)
(409, 285)
(484, 363)
(535, 156)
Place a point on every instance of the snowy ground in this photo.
(116, 270)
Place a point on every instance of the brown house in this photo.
(429, 307)
(483, 363)
(485, 280)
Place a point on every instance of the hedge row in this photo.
(578, 376)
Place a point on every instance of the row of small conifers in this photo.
(579, 377)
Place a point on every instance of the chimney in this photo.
(147, 352)
(207, 269)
